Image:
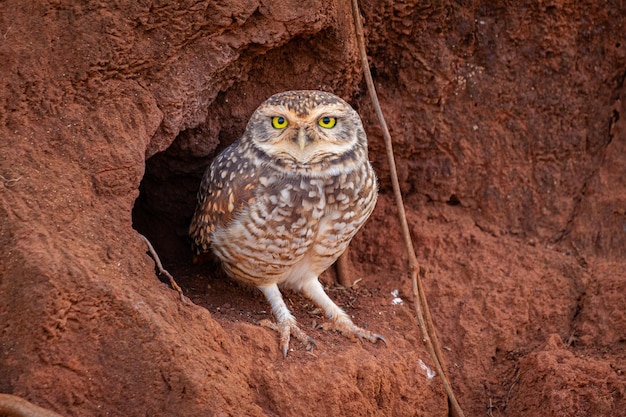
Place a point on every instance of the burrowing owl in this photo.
(282, 203)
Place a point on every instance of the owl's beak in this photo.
(302, 139)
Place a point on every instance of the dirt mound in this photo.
(510, 139)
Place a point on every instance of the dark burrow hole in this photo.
(166, 203)
(167, 198)
(167, 192)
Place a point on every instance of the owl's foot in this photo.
(347, 328)
(287, 328)
(339, 319)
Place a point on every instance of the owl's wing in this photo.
(227, 186)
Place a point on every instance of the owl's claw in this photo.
(372, 337)
(345, 326)
(287, 328)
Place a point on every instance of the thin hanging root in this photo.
(163, 271)
(421, 304)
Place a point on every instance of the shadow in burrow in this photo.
(166, 203)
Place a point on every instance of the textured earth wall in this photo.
(510, 142)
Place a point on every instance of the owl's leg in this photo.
(285, 322)
(339, 319)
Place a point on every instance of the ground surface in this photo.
(509, 130)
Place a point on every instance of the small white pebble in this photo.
(430, 374)
(396, 300)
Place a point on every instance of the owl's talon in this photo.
(363, 335)
(268, 324)
(345, 326)
(311, 344)
(285, 330)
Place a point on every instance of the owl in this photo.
(282, 203)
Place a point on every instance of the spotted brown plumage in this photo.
(280, 205)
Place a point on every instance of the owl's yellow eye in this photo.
(279, 122)
(327, 122)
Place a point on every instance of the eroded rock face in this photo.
(509, 145)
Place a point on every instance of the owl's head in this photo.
(307, 129)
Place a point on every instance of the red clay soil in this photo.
(510, 142)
